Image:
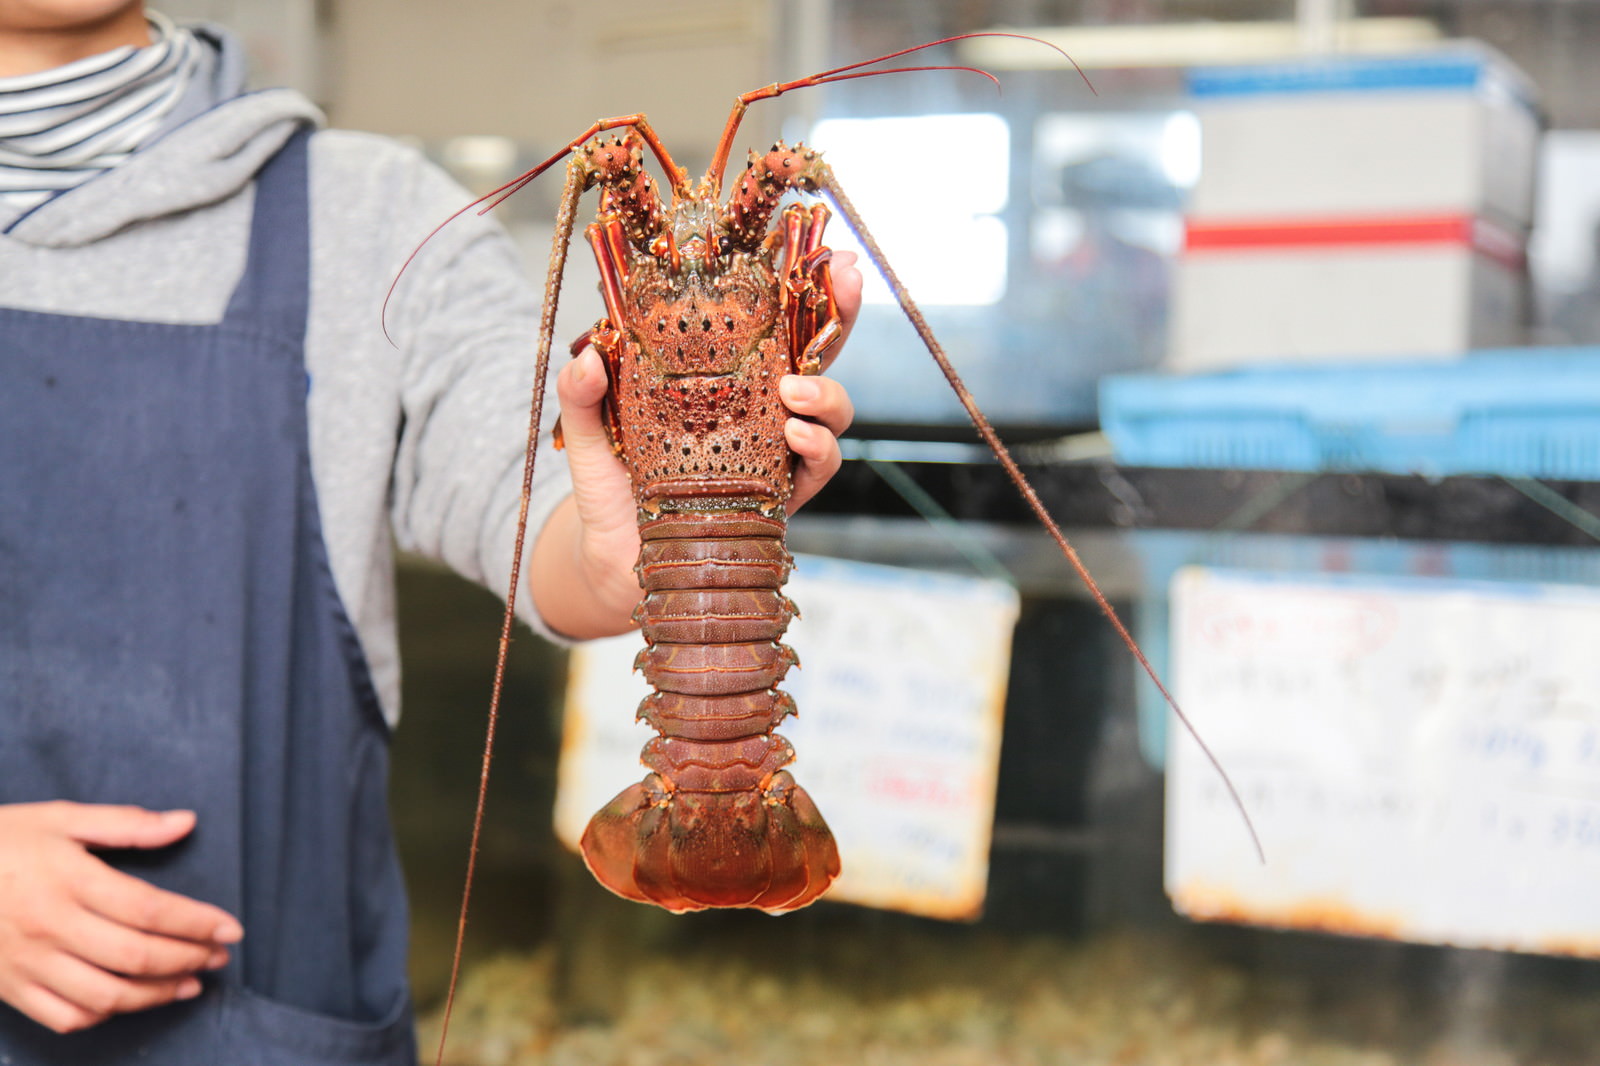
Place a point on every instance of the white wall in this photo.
(540, 71)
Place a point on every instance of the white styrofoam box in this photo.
(1252, 305)
(1450, 130)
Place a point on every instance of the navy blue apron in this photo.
(170, 636)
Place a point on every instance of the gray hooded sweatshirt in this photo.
(418, 443)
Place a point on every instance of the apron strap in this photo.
(275, 289)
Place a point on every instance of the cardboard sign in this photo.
(1421, 757)
(900, 690)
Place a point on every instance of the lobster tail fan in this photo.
(804, 821)
(764, 849)
(610, 840)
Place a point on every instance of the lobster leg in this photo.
(806, 293)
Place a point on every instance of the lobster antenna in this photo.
(992, 439)
(565, 221)
(965, 37)
(495, 197)
(742, 102)
(513, 185)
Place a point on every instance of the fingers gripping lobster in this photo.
(705, 311)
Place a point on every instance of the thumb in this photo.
(108, 826)
(581, 386)
(600, 483)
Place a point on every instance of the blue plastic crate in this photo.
(1532, 412)
(1463, 67)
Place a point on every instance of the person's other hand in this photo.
(81, 941)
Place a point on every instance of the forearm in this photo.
(577, 594)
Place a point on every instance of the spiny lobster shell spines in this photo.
(705, 312)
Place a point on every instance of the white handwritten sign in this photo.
(1421, 757)
(901, 689)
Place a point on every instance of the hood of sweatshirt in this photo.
(211, 146)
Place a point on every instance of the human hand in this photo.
(81, 941)
(581, 572)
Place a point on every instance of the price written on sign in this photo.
(1420, 755)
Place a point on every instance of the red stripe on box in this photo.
(1475, 233)
(1408, 230)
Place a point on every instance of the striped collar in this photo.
(61, 127)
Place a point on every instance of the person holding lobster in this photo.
(208, 448)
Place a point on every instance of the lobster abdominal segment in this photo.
(742, 674)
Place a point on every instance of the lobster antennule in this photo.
(719, 161)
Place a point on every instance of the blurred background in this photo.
(1289, 313)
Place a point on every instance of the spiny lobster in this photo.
(705, 311)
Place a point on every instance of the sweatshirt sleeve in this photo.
(464, 319)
